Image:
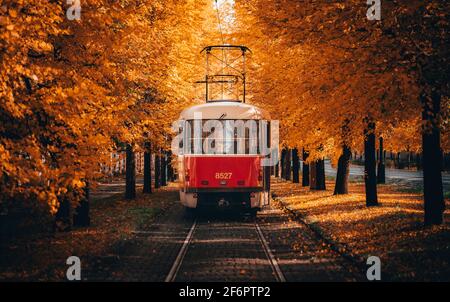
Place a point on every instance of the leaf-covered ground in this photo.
(42, 257)
(393, 231)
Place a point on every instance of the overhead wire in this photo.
(224, 57)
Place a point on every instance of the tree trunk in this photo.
(412, 159)
(305, 170)
(277, 169)
(81, 217)
(409, 159)
(432, 161)
(370, 177)
(163, 169)
(170, 170)
(317, 181)
(62, 221)
(283, 163)
(147, 169)
(418, 161)
(445, 159)
(341, 186)
(157, 171)
(130, 188)
(266, 178)
(295, 166)
(287, 162)
(381, 175)
(321, 174)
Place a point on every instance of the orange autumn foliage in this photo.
(72, 90)
(318, 66)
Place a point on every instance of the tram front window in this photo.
(225, 137)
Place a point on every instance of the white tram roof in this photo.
(226, 110)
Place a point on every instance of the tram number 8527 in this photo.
(223, 175)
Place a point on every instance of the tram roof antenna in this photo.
(233, 75)
(210, 47)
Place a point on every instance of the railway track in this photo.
(177, 263)
(183, 249)
(275, 247)
(212, 245)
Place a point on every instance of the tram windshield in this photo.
(224, 136)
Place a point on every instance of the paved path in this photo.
(221, 247)
(113, 187)
(393, 176)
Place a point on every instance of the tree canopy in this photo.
(73, 91)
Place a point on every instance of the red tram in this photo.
(235, 176)
(237, 179)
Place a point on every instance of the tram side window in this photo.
(193, 139)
